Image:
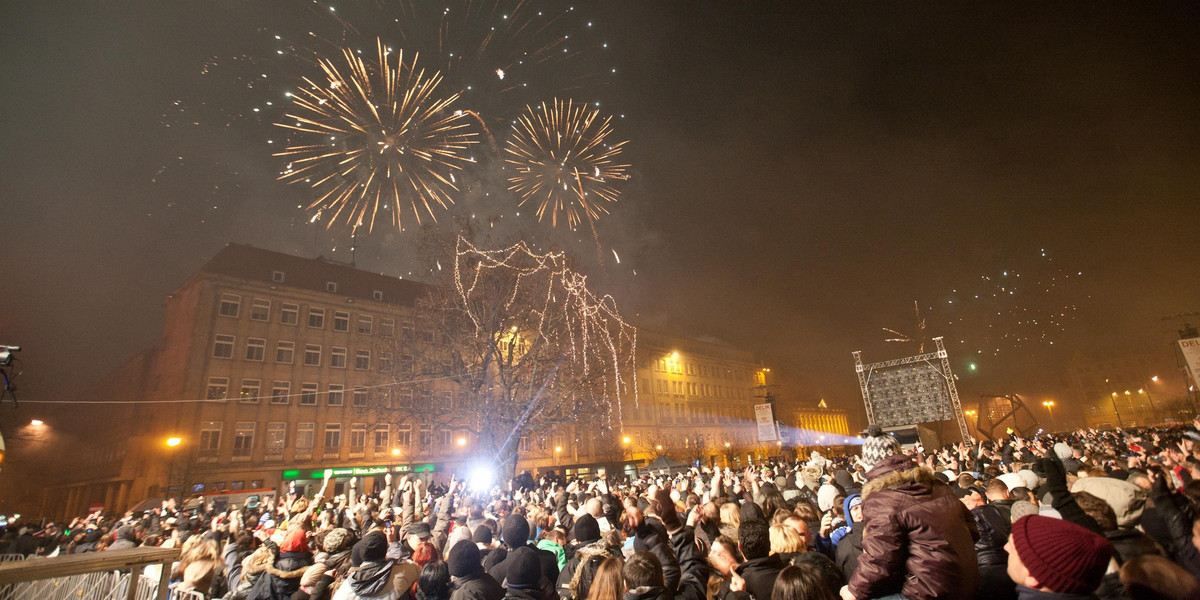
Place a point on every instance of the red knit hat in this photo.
(1060, 555)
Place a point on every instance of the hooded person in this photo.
(851, 502)
(126, 539)
(588, 549)
(467, 577)
(284, 575)
(849, 544)
(371, 578)
(515, 534)
(918, 538)
(524, 579)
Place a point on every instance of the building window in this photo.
(365, 323)
(304, 437)
(362, 360)
(285, 352)
(404, 435)
(385, 361)
(444, 438)
(276, 439)
(333, 437)
(360, 398)
(210, 438)
(277, 276)
(407, 364)
(281, 392)
(308, 394)
(249, 393)
(237, 485)
(260, 310)
(407, 333)
(316, 318)
(331, 287)
(337, 358)
(404, 398)
(218, 388)
(336, 395)
(341, 321)
(426, 436)
(289, 314)
(243, 440)
(230, 305)
(358, 437)
(255, 349)
(381, 438)
(256, 484)
(312, 355)
(223, 346)
(387, 328)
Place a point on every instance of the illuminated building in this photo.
(811, 422)
(269, 372)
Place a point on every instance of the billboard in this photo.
(764, 417)
(1190, 349)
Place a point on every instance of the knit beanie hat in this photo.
(482, 535)
(1062, 451)
(586, 529)
(825, 496)
(464, 559)
(524, 568)
(877, 447)
(372, 548)
(335, 541)
(516, 531)
(1061, 555)
(1021, 508)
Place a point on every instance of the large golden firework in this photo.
(563, 162)
(375, 136)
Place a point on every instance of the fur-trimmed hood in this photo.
(583, 553)
(897, 471)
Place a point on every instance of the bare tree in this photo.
(509, 343)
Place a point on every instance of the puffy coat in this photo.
(994, 522)
(918, 539)
(760, 575)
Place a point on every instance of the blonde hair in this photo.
(784, 539)
(731, 514)
(608, 583)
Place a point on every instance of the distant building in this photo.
(268, 373)
(811, 421)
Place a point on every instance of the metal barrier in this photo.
(91, 576)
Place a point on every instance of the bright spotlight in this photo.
(480, 478)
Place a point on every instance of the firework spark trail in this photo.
(562, 161)
(398, 140)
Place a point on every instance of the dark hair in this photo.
(774, 503)
(434, 582)
(1098, 509)
(643, 568)
(1152, 576)
(801, 582)
(754, 538)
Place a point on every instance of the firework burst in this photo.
(563, 162)
(373, 137)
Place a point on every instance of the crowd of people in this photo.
(1088, 514)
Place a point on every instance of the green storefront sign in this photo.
(293, 474)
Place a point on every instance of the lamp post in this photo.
(171, 443)
(1049, 404)
(1115, 410)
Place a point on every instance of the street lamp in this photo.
(395, 452)
(1049, 404)
(36, 423)
(1118, 413)
(174, 441)
(171, 443)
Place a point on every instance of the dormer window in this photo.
(377, 295)
(277, 276)
(331, 287)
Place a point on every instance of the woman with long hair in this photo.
(801, 582)
(608, 583)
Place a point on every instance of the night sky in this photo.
(802, 172)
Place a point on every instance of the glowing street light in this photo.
(726, 444)
(462, 441)
(1154, 379)
(625, 439)
(395, 452)
(658, 447)
(174, 441)
(36, 423)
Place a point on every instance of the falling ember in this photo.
(500, 73)
(616, 257)
(563, 163)
(395, 142)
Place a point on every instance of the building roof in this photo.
(256, 264)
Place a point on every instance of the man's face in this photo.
(972, 500)
(801, 527)
(856, 513)
(722, 560)
(1016, 569)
